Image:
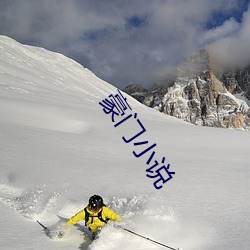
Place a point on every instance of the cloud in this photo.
(126, 42)
(228, 28)
(233, 49)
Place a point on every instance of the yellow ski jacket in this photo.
(94, 223)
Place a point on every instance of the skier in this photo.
(95, 214)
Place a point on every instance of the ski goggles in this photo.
(94, 208)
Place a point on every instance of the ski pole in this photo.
(149, 239)
(45, 228)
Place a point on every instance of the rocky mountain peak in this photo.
(196, 64)
(200, 96)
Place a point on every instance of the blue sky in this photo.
(131, 41)
(218, 17)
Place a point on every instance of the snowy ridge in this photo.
(58, 147)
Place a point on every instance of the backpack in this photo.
(88, 216)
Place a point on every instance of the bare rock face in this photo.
(237, 81)
(198, 96)
(137, 91)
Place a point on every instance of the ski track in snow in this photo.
(43, 117)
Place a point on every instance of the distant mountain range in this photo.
(202, 94)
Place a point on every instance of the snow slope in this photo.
(58, 148)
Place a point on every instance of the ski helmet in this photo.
(96, 202)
